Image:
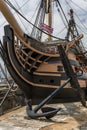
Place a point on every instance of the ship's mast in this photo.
(43, 20)
(49, 15)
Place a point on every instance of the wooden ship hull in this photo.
(36, 67)
(37, 72)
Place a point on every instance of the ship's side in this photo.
(35, 66)
(38, 70)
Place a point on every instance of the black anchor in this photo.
(48, 112)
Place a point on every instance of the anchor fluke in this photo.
(50, 109)
(46, 113)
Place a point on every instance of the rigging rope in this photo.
(21, 12)
(79, 6)
(81, 23)
(62, 11)
(76, 25)
(35, 11)
(77, 18)
(2, 24)
(39, 19)
(11, 5)
(14, 13)
(61, 31)
(60, 14)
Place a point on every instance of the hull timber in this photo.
(38, 72)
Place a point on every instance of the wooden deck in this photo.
(73, 116)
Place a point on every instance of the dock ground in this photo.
(73, 116)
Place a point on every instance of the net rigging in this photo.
(11, 5)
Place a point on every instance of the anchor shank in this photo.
(46, 100)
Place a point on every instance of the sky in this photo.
(29, 9)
